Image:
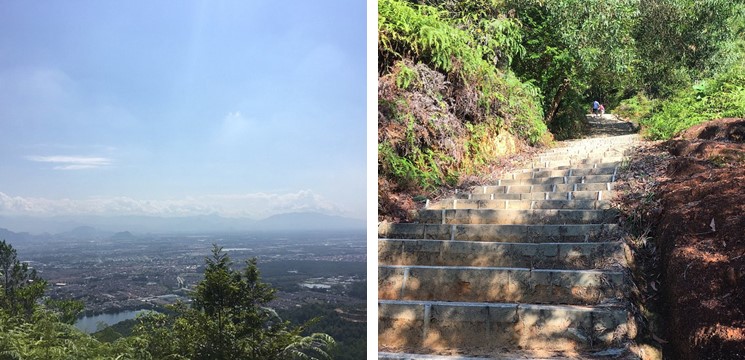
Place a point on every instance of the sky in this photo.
(181, 108)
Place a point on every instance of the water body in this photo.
(90, 324)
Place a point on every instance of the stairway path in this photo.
(532, 266)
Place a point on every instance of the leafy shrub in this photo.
(635, 108)
(718, 97)
(430, 35)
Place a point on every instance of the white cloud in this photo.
(72, 162)
(252, 205)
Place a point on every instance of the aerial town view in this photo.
(124, 271)
(119, 275)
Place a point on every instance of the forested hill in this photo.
(464, 84)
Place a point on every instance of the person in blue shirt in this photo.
(595, 107)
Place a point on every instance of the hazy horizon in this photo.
(213, 223)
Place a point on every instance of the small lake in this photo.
(89, 324)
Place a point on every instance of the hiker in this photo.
(595, 107)
(602, 109)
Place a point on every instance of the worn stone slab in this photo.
(494, 254)
(499, 284)
(514, 217)
(400, 325)
(428, 326)
(574, 179)
(533, 173)
(539, 166)
(497, 233)
(507, 204)
(401, 230)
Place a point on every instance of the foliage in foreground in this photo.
(229, 320)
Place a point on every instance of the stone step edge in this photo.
(535, 286)
(529, 250)
(608, 255)
(448, 232)
(506, 268)
(559, 180)
(599, 355)
(516, 217)
(561, 195)
(506, 243)
(597, 326)
(539, 188)
(584, 163)
(543, 307)
(505, 204)
(533, 174)
(530, 167)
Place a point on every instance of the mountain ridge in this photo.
(98, 226)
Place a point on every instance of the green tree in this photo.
(574, 45)
(680, 41)
(20, 287)
(67, 310)
(229, 319)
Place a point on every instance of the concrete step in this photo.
(515, 217)
(582, 163)
(609, 149)
(500, 284)
(519, 204)
(596, 155)
(428, 326)
(522, 189)
(531, 173)
(559, 180)
(500, 233)
(604, 255)
(598, 145)
(530, 168)
(535, 167)
(559, 187)
(604, 354)
(549, 195)
(602, 140)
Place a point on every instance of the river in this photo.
(89, 324)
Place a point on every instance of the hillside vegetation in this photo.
(445, 110)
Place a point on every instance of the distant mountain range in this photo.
(123, 226)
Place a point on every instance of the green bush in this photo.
(719, 97)
(635, 108)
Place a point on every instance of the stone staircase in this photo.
(530, 267)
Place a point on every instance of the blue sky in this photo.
(175, 108)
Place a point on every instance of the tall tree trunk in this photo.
(563, 88)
